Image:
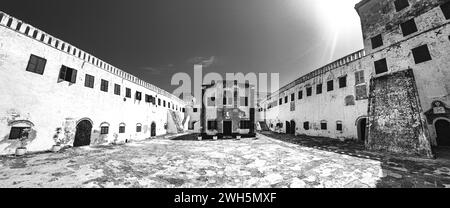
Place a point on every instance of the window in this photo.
(18, 132)
(323, 125)
(36, 64)
(195, 110)
(330, 85)
(339, 126)
(121, 128)
(138, 128)
(184, 110)
(89, 81)
(377, 41)
(168, 104)
(306, 125)
(116, 89)
(68, 74)
(319, 89)
(212, 125)
(245, 124)
(308, 91)
(104, 128)
(401, 4)
(343, 82)
(138, 96)
(164, 103)
(285, 99)
(446, 10)
(381, 66)
(300, 94)
(409, 27)
(159, 101)
(421, 54)
(281, 101)
(128, 92)
(244, 101)
(359, 78)
(104, 85)
(292, 97)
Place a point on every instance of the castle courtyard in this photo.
(261, 162)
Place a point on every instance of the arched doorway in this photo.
(288, 127)
(442, 132)
(293, 128)
(362, 129)
(83, 134)
(153, 129)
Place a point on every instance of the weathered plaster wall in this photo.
(432, 77)
(55, 107)
(395, 121)
(328, 106)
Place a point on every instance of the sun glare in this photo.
(337, 14)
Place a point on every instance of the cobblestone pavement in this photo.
(398, 171)
(248, 163)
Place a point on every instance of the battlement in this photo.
(329, 67)
(32, 32)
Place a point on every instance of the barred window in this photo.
(128, 92)
(104, 85)
(116, 89)
(89, 81)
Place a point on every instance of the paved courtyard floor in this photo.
(165, 163)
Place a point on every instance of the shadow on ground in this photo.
(398, 171)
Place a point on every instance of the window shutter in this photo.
(73, 79)
(62, 72)
(41, 66)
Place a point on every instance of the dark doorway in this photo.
(362, 129)
(288, 127)
(153, 129)
(83, 134)
(293, 128)
(443, 133)
(227, 128)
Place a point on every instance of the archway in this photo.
(442, 132)
(293, 127)
(83, 133)
(288, 127)
(153, 129)
(362, 129)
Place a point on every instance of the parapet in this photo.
(21, 27)
(329, 67)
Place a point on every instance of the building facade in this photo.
(228, 109)
(397, 95)
(53, 91)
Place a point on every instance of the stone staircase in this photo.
(264, 126)
(177, 120)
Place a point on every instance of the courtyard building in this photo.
(393, 95)
(53, 92)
